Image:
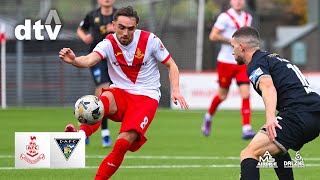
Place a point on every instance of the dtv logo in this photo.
(38, 27)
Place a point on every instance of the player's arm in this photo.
(216, 36)
(269, 96)
(68, 56)
(84, 35)
(174, 82)
(83, 30)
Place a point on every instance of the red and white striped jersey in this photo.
(134, 67)
(229, 22)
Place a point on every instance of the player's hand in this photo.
(176, 97)
(271, 125)
(88, 39)
(110, 28)
(67, 55)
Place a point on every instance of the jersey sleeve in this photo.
(85, 23)
(221, 22)
(258, 70)
(101, 49)
(159, 50)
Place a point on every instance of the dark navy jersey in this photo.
(96, 24)
(293, 90)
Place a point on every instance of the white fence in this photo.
(200, 88)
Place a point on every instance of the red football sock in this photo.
(113, 161)
(214, 105)
(90, 129)
(245, 111)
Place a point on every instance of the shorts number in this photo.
(144, 123)
(303, 80)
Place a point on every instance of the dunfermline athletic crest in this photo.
(67, 146)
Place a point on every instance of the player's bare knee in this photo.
(249, 152)
(245, 94)
(243, 154)
(130, 135)
(223, 95)
(244, 91)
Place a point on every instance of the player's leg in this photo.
(225, 74)
(105, 133)
(311, 129)
(96, 73)
(247, 132)
(206, 125)
(244, 88)
(283, 173)
(101, 79)
(135, 122)
(110, 108)
(249, 156)
(114, 159)
(291, 136)
(104, 83)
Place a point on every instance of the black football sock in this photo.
(104, 123)
(249, 170)
(283, 173)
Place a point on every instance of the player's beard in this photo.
(124, 40)
(240, 60)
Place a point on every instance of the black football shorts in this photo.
(298, 128)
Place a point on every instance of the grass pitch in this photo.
(175, 150)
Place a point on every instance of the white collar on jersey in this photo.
(234, 13)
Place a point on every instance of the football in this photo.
(88, 109)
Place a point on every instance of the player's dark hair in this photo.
(249, 35)
(246, 31)
(126, 11)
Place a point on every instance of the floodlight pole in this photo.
(200, 34)
(3, 67)
(19, 58)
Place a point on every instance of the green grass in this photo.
(172, 133)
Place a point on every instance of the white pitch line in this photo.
(171, 157)
(144, 167)
(153, 157)
(185, 157)
(158, 167)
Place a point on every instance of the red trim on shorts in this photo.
(166, 59)
(101, 57)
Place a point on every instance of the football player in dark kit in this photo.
(92, 29)
(283, 88)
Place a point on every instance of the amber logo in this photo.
(96, 20)
(118, 53)
(139, 54)
(273, 55)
